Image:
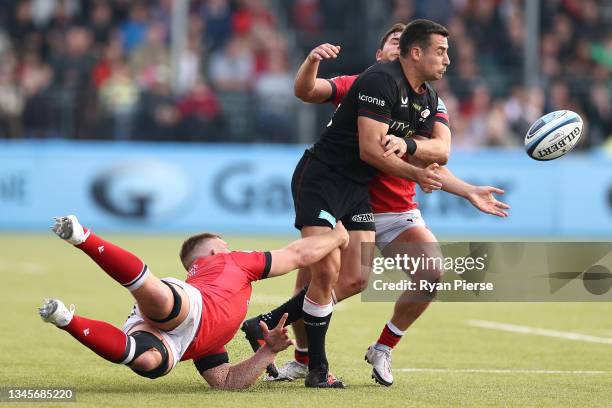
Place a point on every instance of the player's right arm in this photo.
(377, 94)
(371, 151)
(307, 87)
(306, 251)
(244, 374)
(480, 197)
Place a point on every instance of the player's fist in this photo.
(324, 51)
(344, 236)
(429, 179)
(394, 145)
(276, 339)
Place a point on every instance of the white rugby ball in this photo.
(553, 135)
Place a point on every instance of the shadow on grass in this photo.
(185, 388)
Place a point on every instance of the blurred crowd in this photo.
(103, 69)
(485, 87)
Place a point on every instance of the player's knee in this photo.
(162, 301)
(353, 286)
(325, 278)
(325, 274)
(147, 361)
(147, 355)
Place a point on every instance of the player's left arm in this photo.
(437, 147)
(245, 373)
(480, 197)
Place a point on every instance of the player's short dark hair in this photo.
(191, 242)
(395, 28)
(418, 32)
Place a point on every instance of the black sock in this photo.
(316, 328)
(293, 307)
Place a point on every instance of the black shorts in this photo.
(321, 196)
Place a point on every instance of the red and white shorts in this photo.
(181, 337)
(390, 225)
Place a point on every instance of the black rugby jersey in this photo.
(382, 93)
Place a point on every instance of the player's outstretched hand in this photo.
(394, 145)
(324, 51)
(276, 339)
(429, 179)
(343, 234)
(482, 198)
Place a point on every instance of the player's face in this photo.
(390, 50)
(222, 245)
(434, 60)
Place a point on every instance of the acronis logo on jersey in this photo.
(371, 99)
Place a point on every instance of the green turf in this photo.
(38, 355)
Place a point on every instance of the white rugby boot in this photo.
(55, 311)
(379, 356)
(69, 229)
(292, 370)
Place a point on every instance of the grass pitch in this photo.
(476, 366)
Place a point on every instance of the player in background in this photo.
(176, 320)
(397, 217)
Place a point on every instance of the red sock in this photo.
(301, 356)
(102, 338)
(121, 265)
(388, 337)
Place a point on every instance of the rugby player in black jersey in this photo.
(398, 221)
(330, 182)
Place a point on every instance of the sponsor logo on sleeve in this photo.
(371, 99)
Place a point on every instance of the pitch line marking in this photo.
(496, 371)
(514, 328)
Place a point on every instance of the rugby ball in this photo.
(553, 135)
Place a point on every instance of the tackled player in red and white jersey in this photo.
(175, 320)
(396, 214)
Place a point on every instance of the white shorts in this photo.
(181, 337)
(390, 225)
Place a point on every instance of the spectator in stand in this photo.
(232, 69)
(251, 15)
(118, 101)
(151, 56)
(134, 29)
(476, 109)
(522, 108)
(101, 23)
(190, 63)
(217, 18)
(201, 115)
(306, 16)
(158, 117)
(498, 133)
(73, 67)
(21, 26)
(39, 115)
(11, 100)
(110, 55)
(599, 110)
(275, 100)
